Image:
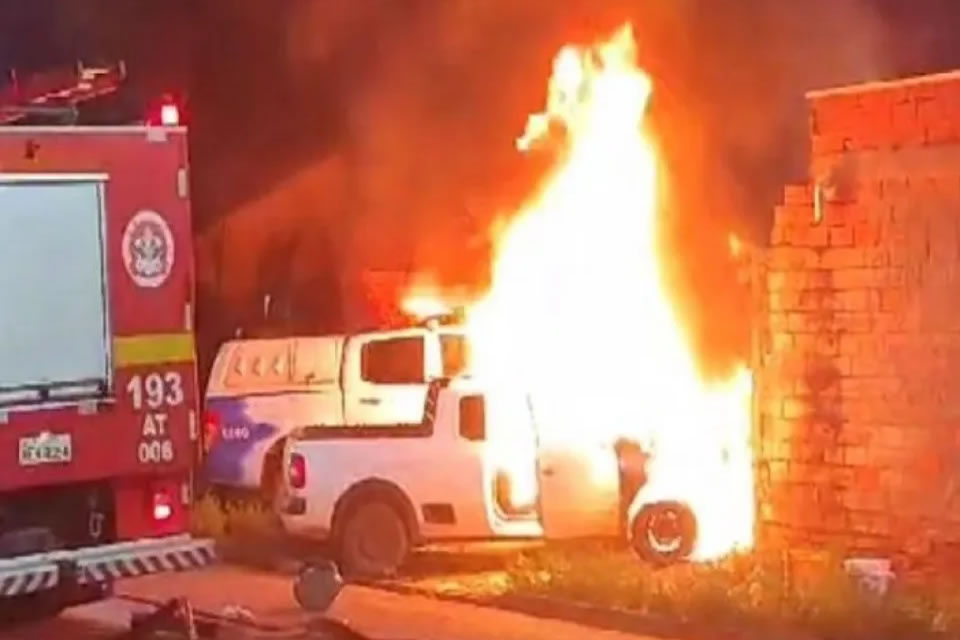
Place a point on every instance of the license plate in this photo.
(47, 448)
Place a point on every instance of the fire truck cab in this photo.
(98, 392)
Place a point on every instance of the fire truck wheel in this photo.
(663, 533)
(374, 541)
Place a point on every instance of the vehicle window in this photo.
(393, 361)
(454, 351)
(473, 419)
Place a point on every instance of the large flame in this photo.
(579, 315)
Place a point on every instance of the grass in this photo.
(775, 595)
(212, 517)
(247, 532)
(764, 594)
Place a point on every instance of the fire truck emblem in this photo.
(148, 249)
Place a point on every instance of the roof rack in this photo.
(56, 93)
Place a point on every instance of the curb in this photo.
(606, 618)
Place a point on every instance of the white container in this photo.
(874, 575)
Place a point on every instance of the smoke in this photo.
(440, 90)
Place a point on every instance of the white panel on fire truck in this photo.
(53, 318)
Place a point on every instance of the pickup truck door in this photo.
(579, 486)
(384, 379)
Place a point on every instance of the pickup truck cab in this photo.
(260, 390)
(378, 491)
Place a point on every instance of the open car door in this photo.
(579, 486)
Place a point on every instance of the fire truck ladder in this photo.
(56, 93)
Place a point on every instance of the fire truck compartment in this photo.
(54, 333)
(48, 518)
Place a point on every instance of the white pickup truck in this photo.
(260, 390)
(474, 468)
(377, 491)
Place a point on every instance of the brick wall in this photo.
(859, 395)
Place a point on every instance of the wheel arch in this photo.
(376, 489)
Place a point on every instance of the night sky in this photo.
(420, 100)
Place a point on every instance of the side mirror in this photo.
(473, 418)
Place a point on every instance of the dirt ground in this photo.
(267, 598)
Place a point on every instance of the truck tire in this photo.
(664, 533)
(374, 541)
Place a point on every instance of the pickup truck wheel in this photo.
(374, 541)
(664, 533)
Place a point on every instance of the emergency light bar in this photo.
(56, 93)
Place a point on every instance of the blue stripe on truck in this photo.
(239, 446)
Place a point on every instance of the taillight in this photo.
(211, 429)
(162, 505)
(297, 471)
(168, 111)
(169, 115)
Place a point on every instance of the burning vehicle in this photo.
(589, 238)
(660, 532)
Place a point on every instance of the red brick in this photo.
(781, 301)
(836, 113)
(843, 258)
(809, 473)
(858, 278)
(891, 277)
(841, 236)
(930, 110)
(867, 365)
(798, 194)
(818, 279)
(796, 408)
(828, 345)
(866, 233)
(855, 456)
(877, 256)
(807, 322)
(896, 187)
(805, 341)
(942, 131)
(892, 300)
(808, 236)
(857, 409)
(906, 128)
(829, 144)
(777, 280)
(852, 300)
(852, 322)
(815, 300)
(778, 322)
(797, 280)
(778, 235)
(869, 191)
(889, 436)
(791, 258)
(851, 344)
(842, 364)
(782, 341)
(793, 214)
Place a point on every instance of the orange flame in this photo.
(578, 312)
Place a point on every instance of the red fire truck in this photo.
(98, 393)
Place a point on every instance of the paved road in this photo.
(268, 597)
(90, 622)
